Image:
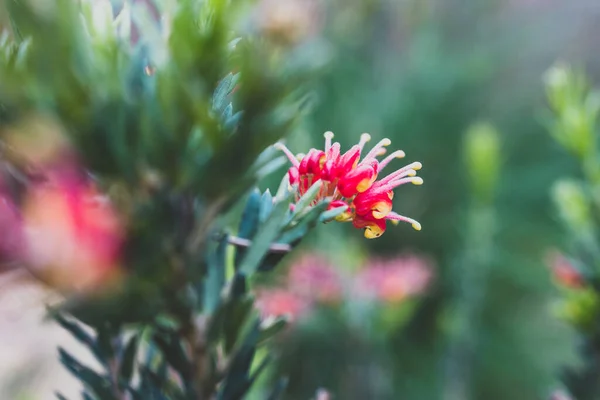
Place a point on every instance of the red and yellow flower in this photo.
(349, 181)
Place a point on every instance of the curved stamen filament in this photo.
(401, 172)
(388, 159)
(415, 180)
(328, 136)
(364, 138)
(378, 147)
(288, 153)
(395, 218)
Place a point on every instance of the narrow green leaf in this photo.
(215, 280)
(331, 214)
(128, 361)
(263, 239)
(73, 328)
(310, 196)
(91, 379)
(266, 206)
(273, 329)
(173, 353)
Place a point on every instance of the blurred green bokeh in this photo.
(422, 73)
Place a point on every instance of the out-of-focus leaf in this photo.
(215, 279)
(93, 381)
(127, 361)
(272, 329)
(266, 206)
(267, 233)
(238, 378)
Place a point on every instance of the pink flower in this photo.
(281, 303)
(72, 235)
(352, 182)
(394, 280)
(314, 278)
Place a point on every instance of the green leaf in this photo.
(98, 384)
(215, 279)
(273, 329)
(238, 379)
(237, 313)
(331, 214)
(173, 352)
(74, 328)
(267, 233)
(266, 206)
(309, 197)
(128, 361)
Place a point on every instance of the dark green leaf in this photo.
(215, 280)
(266, 206)
(128, 361)
(273, 329)
(74, 329)
(267, 233)
(98, 384)
(174, 354)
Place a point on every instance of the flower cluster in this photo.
(312, 281)
(394, 280)
(352, 182)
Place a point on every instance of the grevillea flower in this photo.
(72, 235)
(273, 303)
(394, 280)
(350, 181)
(313, 277)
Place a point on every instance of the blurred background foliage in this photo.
(423, 73)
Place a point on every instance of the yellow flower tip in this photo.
(417, 181)
(411, 172)
(365, 137)
(279, 146)
(328, 135)
(417, 166)
(416, 226)
(300, 156)
(399, 154)
(394, 222)
(386, 142)
(371, 234)
(381, 152)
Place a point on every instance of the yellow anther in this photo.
(417, 181)
(416, 226)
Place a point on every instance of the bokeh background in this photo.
(426, 73)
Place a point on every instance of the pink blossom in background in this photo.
(72, 234)
(315, 278)
(281, 303)
(395, 279)
(563, 271)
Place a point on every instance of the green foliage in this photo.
(570, 96)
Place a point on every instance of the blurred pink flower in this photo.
(315, 278)
(394, 280)
(564, 273)
(72, 235)
(280, 303)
